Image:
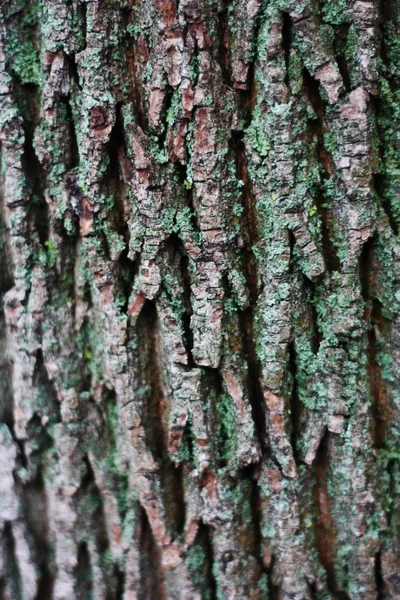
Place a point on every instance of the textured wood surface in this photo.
(200, 301)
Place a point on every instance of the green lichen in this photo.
(225, 438)
(22, 49)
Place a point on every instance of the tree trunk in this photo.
(200, 317)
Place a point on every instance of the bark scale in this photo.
(200, 314)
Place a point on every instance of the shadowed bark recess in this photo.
(199, 299)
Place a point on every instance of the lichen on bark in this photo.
(199, 318)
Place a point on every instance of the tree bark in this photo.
(200, 305)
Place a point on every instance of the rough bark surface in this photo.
(200, 301)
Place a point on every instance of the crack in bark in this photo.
(152, 577)
(386, 15)
(35, 510)
(287, 40)
(38, 212)
(83, 574)
(42, 382)
(10, 583)
(381, 410)
(256, 396)
(252, 473)
(224, 43)
(341, 42)
(73, 153)
(246, 317)
(181, 170)
(316, 128)
(311, 296)
(380, 584)
(184, 268)
(325, 527)
(154, 417)
(204, 539)
(294, 405)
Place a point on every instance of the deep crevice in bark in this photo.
(325, 536)
(224, 42)
(110, 411)
(378, 184)
(252, 474)
(6, 393)
(115, 185)
(312, 588)
(385, 111)
(275, 592)
(294, 404)
(161, 131)
(331, 258)
(250, 232)
(6, 283)
(152, 583)
(153, 415)
(46, 387)
(247, 316)
(341, 44)
(220, 435)
(316, 128)
(129, 270)
(154, 421)
(34, 503)
(136, 89)
(204, 537)
(380, 409)
(256, 396)
(84, 21)
(10, 586)
(181, 171)
(36, 182)
(365, 261)
(325, 527)
(177, 256)
(112, 177)
(380, 584)
(83, 574)
(73, 68)
(287, 40)
(119, 577)
(73, 154)
(184, 268)
(311, 296)
(6, 274)
(92, 503)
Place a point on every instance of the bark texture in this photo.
(200, 302)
